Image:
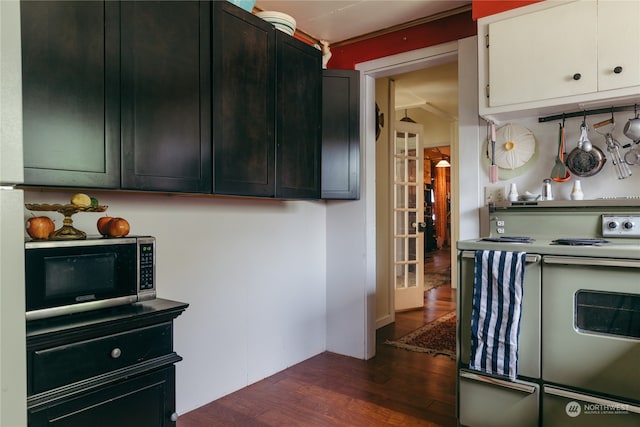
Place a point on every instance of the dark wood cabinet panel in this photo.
(243, 63)
(60, 365)
(341, 134)
(143, 401)
(298, 128)
(71, 93)
(166, 115)
(104, 368)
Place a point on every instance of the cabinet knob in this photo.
(115, 353)
(174, 417)
(617, 70)
(577, 76)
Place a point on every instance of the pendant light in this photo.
(407, 118)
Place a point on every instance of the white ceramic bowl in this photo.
(281, 21)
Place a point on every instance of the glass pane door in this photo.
(408, 214)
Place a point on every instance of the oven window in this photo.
(609, 313)
(79, 275)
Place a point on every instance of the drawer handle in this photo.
(115, 353)
(617, 70)
(174, 417)
(577, 76)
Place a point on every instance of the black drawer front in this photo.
(57, 366)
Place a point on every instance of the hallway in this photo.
(395, 388)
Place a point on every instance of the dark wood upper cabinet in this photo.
(172, 96)
(244, 76)
(166, 114)
(299, 118)
(71, 93)
(267, 94)
(340, 134)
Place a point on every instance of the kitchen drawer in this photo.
(492, 402)
(566, 408)
(65, 364)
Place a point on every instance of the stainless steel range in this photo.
(578, 345)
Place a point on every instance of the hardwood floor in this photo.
(395, 388)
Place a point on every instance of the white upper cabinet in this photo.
(558, 53)
(548, 54)
(618, 44)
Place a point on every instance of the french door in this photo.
(408, 215)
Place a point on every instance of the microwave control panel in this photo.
(147, 265)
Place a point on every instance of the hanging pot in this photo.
(585, 163)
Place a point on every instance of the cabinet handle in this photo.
(530, 258)
(617, 70)
(115, 353)
(517, 386)
(174, 417)
(577, 76)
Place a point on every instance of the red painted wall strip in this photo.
(482, 8)
(429, 34)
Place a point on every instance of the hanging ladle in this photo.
(584, 143)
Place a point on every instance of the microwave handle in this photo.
(530, 258)
(590, 399)
(525, 388)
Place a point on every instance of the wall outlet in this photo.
(493, 194)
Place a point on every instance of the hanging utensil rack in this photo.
(584, 113)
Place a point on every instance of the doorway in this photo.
(428, 97)
(362, 215)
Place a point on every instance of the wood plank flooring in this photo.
(395, 388)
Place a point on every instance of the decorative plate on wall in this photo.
(515, 146)
(516, 150)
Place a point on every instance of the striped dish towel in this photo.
(495, 316)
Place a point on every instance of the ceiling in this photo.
(340, 20)
(433, 89)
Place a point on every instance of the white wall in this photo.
(466, 158)
(13, 369)
(253, 272)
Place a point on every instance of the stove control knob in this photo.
(612, 225)
(628, 225)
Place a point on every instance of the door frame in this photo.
(388, 67)
(464, 203)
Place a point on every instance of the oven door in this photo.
(591, 324)
(529, 338)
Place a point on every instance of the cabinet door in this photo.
(542, 55)
(166, 137)
(618, 36)
(143, 401)
(71, 98)
(340, 134)
(298, 120)
(243, 61)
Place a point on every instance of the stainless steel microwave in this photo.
(71, 276)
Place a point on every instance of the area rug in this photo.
(437, 337)
(433, 280)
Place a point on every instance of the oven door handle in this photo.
(590, 399)
(517, 386)
(600, 262)
(530, 258)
